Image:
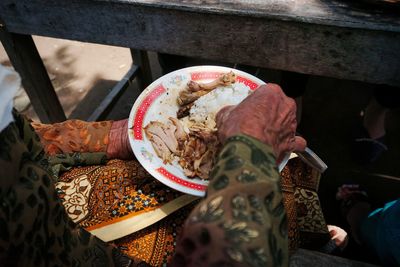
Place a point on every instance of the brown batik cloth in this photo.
(306, 223)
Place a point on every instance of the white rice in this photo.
(206, 107)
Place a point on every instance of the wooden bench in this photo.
(308, 258)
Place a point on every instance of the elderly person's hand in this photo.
(119, 146)
(268, 115)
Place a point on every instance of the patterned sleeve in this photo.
(73, 136)
(35, 229)
(242, 220)
(73, 143)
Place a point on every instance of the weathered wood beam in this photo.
(307, 258)
(370, 55)
(141, 59)
(26, 60)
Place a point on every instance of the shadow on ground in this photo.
(92, 99)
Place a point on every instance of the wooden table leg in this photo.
(141, 59)
(26, 60)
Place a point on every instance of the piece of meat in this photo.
(204, 165)
(160, 147)
(171, 141)
(186, 97)
(200, 148)
(164, 132)
(190, 148)
(180, 133)
(198, 156)
(187, 157)
(189, 173)
(184, 110)
(207, 136)
(224, 80)
(195, 90)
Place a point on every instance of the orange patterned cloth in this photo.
(155, 244)
(110, 191)
(100, 196)
(73, 136)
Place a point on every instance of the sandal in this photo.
(366, 149)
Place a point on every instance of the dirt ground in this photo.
(83, 73)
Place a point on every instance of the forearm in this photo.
(242, 220)
(74, 136)
(71, 136)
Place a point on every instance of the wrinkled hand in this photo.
(119, 146)
(268, 115)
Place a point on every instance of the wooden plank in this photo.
(355, 14)
(345, 50)
(26, 60)
(105, 106)
(141, 59)
(307, 258)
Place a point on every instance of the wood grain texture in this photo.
(342, 13)
(141, 59)
(307, 258)
(308, 36)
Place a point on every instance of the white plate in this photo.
(158, 102)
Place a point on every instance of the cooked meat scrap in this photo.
(190, 148)
(180, 133)
(207, 136)
(165, 132)
(160, 147)
(189, 173)
(171, 141)
(186, 97)
(195, 90)
(184, 110)
(198, 156)
(187, 157)
(200, 148)
(224, 80)
(204, 165)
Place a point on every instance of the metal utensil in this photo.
(309, 157)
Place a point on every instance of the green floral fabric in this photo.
(242, 221)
